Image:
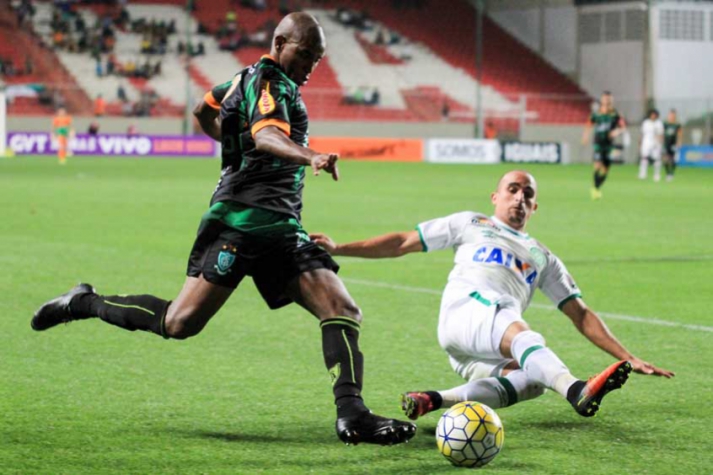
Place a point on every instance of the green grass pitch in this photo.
(250, 394)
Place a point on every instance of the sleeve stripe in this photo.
(423, 241)
(210, 100)
(573, 296)
(280, 124)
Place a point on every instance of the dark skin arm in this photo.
(595, 330)
(209, 120)
(386, 245)
(275, 142)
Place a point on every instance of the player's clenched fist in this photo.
(326, 162)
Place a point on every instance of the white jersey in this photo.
(495, 260)
(651, 136)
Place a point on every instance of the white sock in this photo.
(495, 392)
(643, 168)
(657, 170)
(540, 363)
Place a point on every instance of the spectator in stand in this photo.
(255, 4)
(284, 7)
(200, 49)
(99, 106)
(98, 68)
(130, 68)
(445, 111)
(29, 65)
(121, 93)
(110, 64)
(491, 132)
(127, 109)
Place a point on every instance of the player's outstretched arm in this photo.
(208, 118)
(273, 141)
(386, 245)
(591, 326)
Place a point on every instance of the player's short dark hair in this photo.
(654, 111)
(673, 110)
(606, 93)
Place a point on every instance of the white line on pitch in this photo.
(613, 316)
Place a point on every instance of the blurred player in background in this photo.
(608, 125)
(673, 138)
(62, 132)
(497, 269)
(253, 228)
(651, 143)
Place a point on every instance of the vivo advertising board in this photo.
(41, 143)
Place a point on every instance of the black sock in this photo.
(673, 167)
(599, 179)
(574, 390)
(130, 312)
(436, 399)
(345, 363)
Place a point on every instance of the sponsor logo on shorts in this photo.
(226, 259)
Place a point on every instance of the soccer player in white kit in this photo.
(497, 269)
(652, 131)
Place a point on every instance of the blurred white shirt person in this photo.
(652, 131)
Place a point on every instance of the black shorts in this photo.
(670, 150)
(224, 256)
(602, 154)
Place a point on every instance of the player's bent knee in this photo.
(180, 327)
(351, 310)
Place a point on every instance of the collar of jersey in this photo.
(269, 58)
(509, 229)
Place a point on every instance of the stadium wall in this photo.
(682, 48)
(547, 27)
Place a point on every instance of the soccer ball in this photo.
(469, 434)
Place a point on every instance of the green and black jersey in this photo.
(670, 134)
(604, 124)
(259, 96)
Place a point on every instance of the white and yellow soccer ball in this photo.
(470, 434)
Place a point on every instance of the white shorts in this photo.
(470, 329)
(651, 151)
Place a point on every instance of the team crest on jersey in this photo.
(266, 104)
(483, 222)
(538, 256)
(226, 259)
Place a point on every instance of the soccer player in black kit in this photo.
(253, 228)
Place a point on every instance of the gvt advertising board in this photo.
(41, 143)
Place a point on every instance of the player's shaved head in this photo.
(298, 26)
(515, 198)
(517, 176)
(298, 45)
